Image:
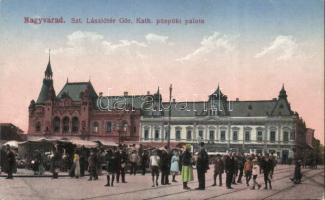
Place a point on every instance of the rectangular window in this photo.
(235, 136)
(178, 135)
(211, 135)
(157, 134)
(223, 135)
(272, 136)
(189, 135)
(146, 134)
(285, 136)
(292, 135)
(247, 136)
(259, 136)
(109, 127)
(166, 134)
(200, 134)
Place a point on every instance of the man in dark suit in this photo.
(202, 165)
(229, 167)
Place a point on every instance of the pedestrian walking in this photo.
(202, 166)
(218, 170)
(92, 166)
(164, 166)
(174, 165)
(240, 160)
(111, 166)
(122, 163)
(255, 172)
(187, 169)
(229, 168)
(55, 163)
(267, 166)
(154, 161)
(248, 167)
(297, 174)
(144, 161)
(235, 172)
(134, 159)
(11, 163)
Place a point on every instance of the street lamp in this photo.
(169, 115)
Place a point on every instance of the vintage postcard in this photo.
(161, 99)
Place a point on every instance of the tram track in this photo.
(223, 194)
(274, 180)
(279, 171)
(290, 187)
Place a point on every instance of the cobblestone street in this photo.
(139, 187)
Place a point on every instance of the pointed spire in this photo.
(283, 93)
(158, 90)
(48, 71)
(67, 79)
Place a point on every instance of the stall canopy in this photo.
(107, 143)
(80, 143)
(12, 143)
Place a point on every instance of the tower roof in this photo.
(283, 93)
(48, 71)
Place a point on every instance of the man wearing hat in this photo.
(202, 165)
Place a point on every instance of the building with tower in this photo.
(257, 126)
(74, 113)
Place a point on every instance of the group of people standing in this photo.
(237, 165)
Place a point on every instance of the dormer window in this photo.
(250, 107)
(281, 106)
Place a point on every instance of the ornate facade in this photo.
(75, 113)
(246, 126)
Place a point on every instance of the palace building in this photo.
(257, 126)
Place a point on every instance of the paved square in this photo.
(139, 187)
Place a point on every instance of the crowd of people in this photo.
(163, 163)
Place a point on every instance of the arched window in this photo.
(95, 127)
(75, 124)
(66, 126)
(38, 126)
(56, 124)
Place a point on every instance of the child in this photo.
(256, 170)
(154, 165)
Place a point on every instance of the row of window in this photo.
(247, 136)
(64, 124)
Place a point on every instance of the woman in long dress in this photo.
(76, 162)
(187, 169)
(174, 165)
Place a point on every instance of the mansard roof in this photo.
(74, 89)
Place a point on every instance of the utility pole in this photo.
(169, 115)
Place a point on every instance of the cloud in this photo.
(151, 38)
(83, 42)
(283, 47)
(215, 42)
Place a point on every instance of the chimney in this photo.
(100, 93)
(126, 93)
(148, 92)
(274, 99)
(174, 100)
(237, 99)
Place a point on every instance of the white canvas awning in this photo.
(85, 143)
(107, 143)
(12, 143)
